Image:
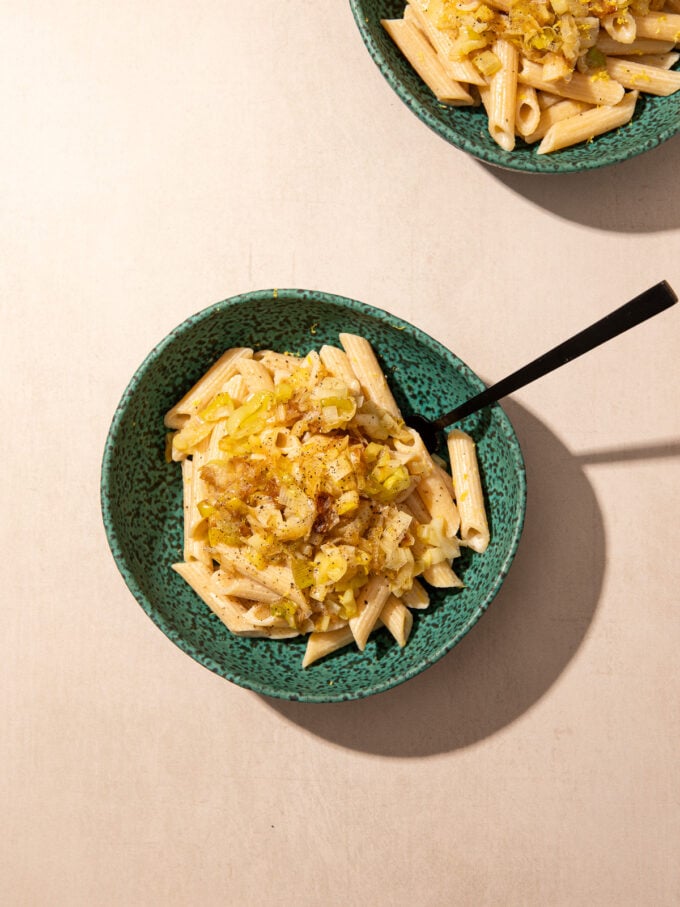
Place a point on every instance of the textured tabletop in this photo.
(158, 157)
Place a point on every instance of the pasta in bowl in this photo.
(352, 531)
(533, 85)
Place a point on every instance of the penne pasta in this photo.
(194, 545)
(546, 99)
(337, 363)
(554, 114)
(321, 644)
(366, 367)
(612, 48)
(423, 58)
(256, 376)
(661, 61)
(579, 87)
(283, 363)
(370, 602)
(229, 611)
(278, 578)
(308, 506)
(503, 95)
(474, 528)
(528, 113)
(650, 79)
(660, 26)
(442, 576)
(206, 388)
(226, 583)
(460, 70)
(621, 26)
(398, 620)
(588, 124)
(416, 597)
(519, 60)
(438, 501)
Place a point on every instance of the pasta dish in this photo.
(553, 72)
(309, 506)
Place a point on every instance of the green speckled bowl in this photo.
(142, 494)
(656, 119)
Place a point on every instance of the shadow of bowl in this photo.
(512, 657)
(603, 200)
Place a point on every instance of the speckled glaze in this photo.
(656, 119)
(142, 509)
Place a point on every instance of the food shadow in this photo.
(517, 651)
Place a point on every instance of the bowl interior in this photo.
(655, 120)
(141, 493)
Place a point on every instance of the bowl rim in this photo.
(454, 137)
(128, 574)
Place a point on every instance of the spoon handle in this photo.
(654, 300)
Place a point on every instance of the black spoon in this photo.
(654, 300)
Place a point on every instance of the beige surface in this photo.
(156, 157)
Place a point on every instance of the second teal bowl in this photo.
(656, 119)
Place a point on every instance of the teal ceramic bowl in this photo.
(142, 494)
(655, 120)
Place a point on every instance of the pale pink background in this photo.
(156, 157)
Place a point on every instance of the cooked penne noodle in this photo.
(370, 602)
(551, 115)
(398, 620)
(439, 503)
(520, 60)
(546, 99)
(612, 48)
(337, 363)
(413, 452)
(366, 367)
(229, 611)
(474, 528)
(649, 79)
(588, 124)
(503, 95)
(661, 61)
(555, 67)
(276, 577)
(321, 644)
(528, 113)
(621, 26)
(442, 576)
(416, 506)
(579, 87)
(416, 597)
(423, 58)
(213, 451)
(660, 26)
(206, 388)
(226, 583)
(255, 374)
(446, 478)
(460, 70)
(198, 492)
(237, 388)
(194, 547)
(283, 363)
